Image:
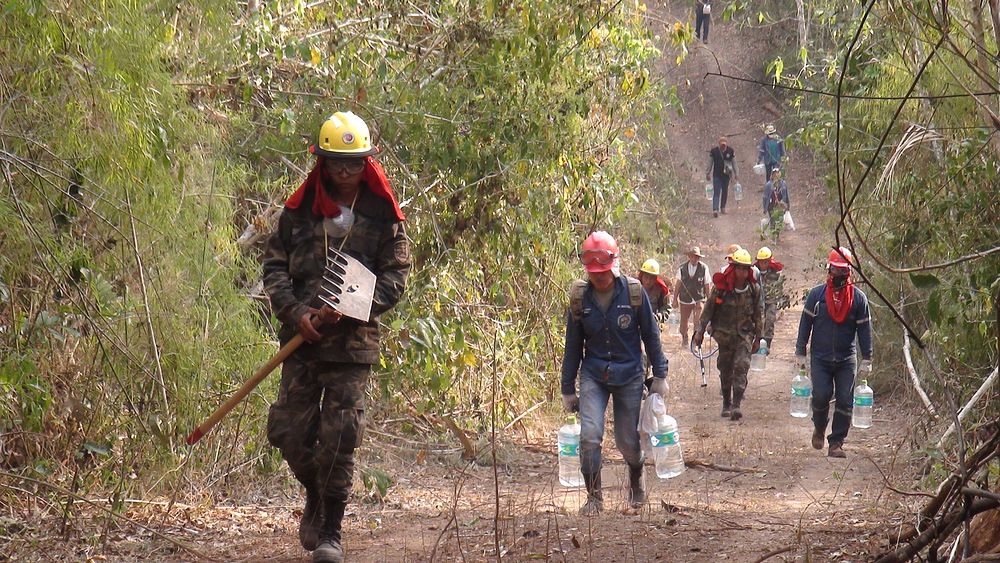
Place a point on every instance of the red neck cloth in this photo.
(773, 265)
(726, 279)
(325, 206)
(839, 301)
(663, 285)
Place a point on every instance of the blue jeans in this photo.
(699, 21)
(833, 379)
(594, 397)
(720, 191)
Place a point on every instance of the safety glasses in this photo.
(602, 257)
(348, 165)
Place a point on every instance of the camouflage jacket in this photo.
(773, 283)
(293, 265)
(734, 314)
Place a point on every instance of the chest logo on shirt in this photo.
(624, 321)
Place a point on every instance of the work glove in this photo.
(571, 403)
(800, 361)
(866, 368)
(660, 387)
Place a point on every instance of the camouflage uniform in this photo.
(736, 324)
(774, 299)
(318, 418)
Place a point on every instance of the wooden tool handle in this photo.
(249, 386)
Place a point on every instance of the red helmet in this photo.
(835, 259)
(599, 252)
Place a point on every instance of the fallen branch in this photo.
(771, 554)
(968, 406)
(940, 528)
(727, 468)
(913, 376)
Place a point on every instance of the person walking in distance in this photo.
(609, 321)
(770, 150)
(690, 290)
(702, 19)
(733, 317)
(834, 314)
(657, 290)
(318, 418)
(721, 169)
(772, 282)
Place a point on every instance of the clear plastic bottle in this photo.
(708, 191)
(864, 400)
(758, 362)
(569, 453)
(738, 190)
(667, 455)
(674, 324)
(801, 395)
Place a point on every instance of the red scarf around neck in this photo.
(839, 301)
(325, 206)
(726, 279)
(663, 285)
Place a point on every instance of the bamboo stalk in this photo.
(913, 376)
(968, 406)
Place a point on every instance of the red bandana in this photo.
(325, 206)
(726, 279)
(663, 285)
(839, 301)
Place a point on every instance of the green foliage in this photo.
(140, 138)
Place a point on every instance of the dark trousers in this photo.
(720, 191)
(318, 421)
(700, 21)
(833, 380)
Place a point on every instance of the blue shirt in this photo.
(607, 346)
(834, 341)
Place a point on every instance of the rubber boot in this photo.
(329, 549)
(312, 518)
(737, 399)
(727, 402)
(595, 499)
(636, 494)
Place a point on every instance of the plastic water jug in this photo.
(667, 455)
(674, 325)
(569, 453)
(801, 395)
(708, 191)
(758, 362)
(738, 190)
(864, 400)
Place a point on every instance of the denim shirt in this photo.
(834, 341)
(607, 346)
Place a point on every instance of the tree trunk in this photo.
(803, 24)
(983, 63)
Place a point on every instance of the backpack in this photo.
(578, 288)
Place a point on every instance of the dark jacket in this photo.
(771, 196)
(607, 347)
(717, 162)
(830, 340)
(293, 265)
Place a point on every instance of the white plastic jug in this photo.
(667, 455)
(801, 395)
(569, 453)
(708, 191)
(864, 402)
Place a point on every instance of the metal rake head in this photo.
(348, 287)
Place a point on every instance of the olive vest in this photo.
(692, 287)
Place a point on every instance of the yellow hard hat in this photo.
(343, 134)
(650, 267)
(742, 257)
(764, 253)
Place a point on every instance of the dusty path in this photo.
(792, 500)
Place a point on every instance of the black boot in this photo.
(329, 549)
(636, 494)
(737, 399)
(312, 518)
(595, 499)
(727, 402)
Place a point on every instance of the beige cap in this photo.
(696, 251)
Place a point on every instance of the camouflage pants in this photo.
(770, 315)
(734, 363)
(318, 421)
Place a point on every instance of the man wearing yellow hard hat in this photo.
(344, 207)
(772, 282)
(657, 289)
(733, 311)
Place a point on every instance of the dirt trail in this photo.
(793, 499)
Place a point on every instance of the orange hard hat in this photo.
(840, 258)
